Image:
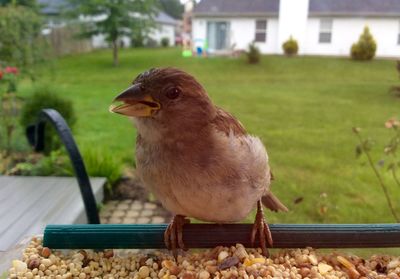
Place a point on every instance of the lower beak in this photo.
(135, 103)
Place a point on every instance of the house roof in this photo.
(164, 18)
(52, 7)
(242, 8)
(355, 7)
(236, 7)
(55, 7)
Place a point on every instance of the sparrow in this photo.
(196, 158)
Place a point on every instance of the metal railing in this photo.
(36, 137)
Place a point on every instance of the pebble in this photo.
(46, 252)
(313, 259)
(229, 262)
(33, 263)
(46, 262)
(222, 255)
(204, 275)
(219, 263)
(144, 272)
(324, 268)
(19, 266)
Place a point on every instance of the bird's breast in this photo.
(201, 181)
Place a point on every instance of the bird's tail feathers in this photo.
(273, 203)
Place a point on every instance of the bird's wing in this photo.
(270, 201)
(227, 123)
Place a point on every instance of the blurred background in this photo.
(316, 80)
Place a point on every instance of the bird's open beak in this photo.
(135, 103)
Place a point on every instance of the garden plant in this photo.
(253, 54)
(290, 47)
(365, 48)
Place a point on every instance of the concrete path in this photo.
(133, 212)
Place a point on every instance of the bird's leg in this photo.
(261, 228)
(173, 235)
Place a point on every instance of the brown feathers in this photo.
(196, 158)
(226, 123)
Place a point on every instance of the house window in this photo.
(325, 31)
(261, 31)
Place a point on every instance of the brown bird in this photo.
(196, 158)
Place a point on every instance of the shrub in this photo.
(290, 47)
(102, 163)
(396, 89)
(55, 164)
(365, 48)
(137, 40)
(21, 41)
(253, 54)
(151, 43)
(10, 104)
(165, 42)
(42, 97)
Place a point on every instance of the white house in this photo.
(165, 25)
(166, 28)
(321, 27)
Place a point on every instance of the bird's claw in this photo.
(261, 228)
(173, 235)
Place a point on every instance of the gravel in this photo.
(220, 262)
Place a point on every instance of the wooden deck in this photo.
(28, 204)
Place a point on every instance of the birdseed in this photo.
(220, 263)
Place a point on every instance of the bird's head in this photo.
(165, 95)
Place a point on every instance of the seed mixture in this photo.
(221, 262)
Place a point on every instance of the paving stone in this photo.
(105, 213)
(114, 220)
(146, 213)
(112, 203)
(123, 206)
(143, 220)
(137, 206)
(118, 213)
(157, 220)
(132, 213)
(128, 220)
(149, 205)
(103, 220)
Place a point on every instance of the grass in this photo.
(303, 108)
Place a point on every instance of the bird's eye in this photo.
(173, 93)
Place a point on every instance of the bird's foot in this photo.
(173, 235)
(261, 229)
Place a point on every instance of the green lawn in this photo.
(303, 109)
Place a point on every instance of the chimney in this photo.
(293, 15)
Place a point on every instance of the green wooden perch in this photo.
(211, 235)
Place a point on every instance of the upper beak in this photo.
(135, 102)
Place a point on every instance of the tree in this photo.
(27, 3)
(113, 18)
(172, 7)
(365, 48)
(21, 42)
